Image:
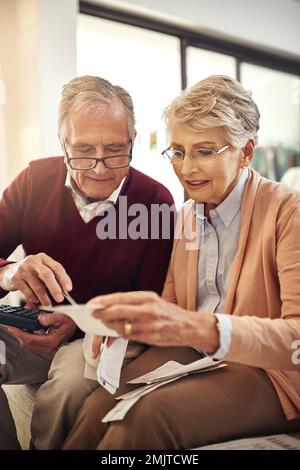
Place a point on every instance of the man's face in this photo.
(98, 133)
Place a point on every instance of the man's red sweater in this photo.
(38, 212)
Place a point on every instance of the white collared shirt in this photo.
(89, 210)
(218, 247)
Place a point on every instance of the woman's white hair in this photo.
(217, 101)
(88, 92)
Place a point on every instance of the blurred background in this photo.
(154, 48)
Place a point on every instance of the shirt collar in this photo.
(228, 208)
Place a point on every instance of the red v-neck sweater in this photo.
(38, 211)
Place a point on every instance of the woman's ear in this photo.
(247, 151)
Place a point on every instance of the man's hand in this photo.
(33, 275)
(61, 328)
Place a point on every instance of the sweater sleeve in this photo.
(12, 206)
(153, 268)
(270, 343)
(154, 265)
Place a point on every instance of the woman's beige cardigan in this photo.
(263, 297)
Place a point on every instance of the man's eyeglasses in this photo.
(88, 163)
(197, 155)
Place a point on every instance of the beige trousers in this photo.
(59, 398)
(197, 410)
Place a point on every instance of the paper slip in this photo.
(276, 442)
(118, 412)
(163, 375)
(81, 314)
(173, 368)
(110, 364)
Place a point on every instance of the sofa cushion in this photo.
(21, 400)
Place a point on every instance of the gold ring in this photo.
(127, 328)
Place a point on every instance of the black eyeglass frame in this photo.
(97, 160)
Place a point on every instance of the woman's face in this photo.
(209, 180)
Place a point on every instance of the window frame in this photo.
(241, 53)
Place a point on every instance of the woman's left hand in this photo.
(147, 318)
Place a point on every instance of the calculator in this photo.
(20, 317)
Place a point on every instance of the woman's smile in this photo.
(196, 184)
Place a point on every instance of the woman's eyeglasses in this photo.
(177, 156)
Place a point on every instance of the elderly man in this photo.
(53, 208)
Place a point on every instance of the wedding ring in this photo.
(127, 328)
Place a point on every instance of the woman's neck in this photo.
(207, 208)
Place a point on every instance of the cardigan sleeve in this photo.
(270, 343)
(12, 205)
(169, 293)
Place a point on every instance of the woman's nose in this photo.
(188, 165)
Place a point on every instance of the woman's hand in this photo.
(147, 318)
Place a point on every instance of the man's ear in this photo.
(248, 152)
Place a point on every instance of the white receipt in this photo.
(110, 364)
(163, 375)
(274, 442)
(175, 369)
(121, 409)
(81, 314)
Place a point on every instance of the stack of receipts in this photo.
(163, 375)
(274, 442)
(112, 357)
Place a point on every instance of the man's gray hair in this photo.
(88, 92)
(217, 101)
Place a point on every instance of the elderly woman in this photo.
(235, 295)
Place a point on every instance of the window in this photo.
(201, 64)
(154, 59)
(279, 135)
(147, 64)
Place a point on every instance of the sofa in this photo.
(21, 400)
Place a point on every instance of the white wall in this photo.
(19, 75)
(37, 56)
(268, 24)
(57, 63)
